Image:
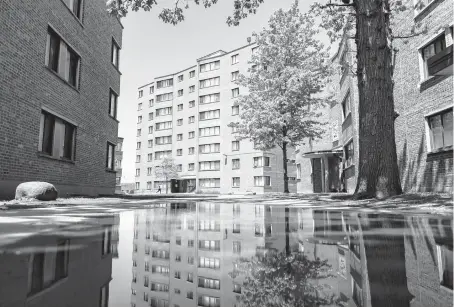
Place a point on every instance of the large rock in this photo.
(37, 190)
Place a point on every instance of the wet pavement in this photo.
(227, 254)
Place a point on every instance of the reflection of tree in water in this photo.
(278, 280)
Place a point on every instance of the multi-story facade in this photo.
(423, 96)
(118, 162)
(186, 115)
(184, 256)
(60, 82)
(423, 99)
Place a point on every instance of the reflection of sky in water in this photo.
(338, 258)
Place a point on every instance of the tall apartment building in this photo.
(186, 115)
(59, 85)
(118, 162)
(423, 99)
(183, 256)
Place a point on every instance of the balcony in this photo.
(441, 63)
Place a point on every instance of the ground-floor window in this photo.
(262, 181)
(57, 137)
(236, 182)
(210, 183)
(137, 185)
(440, 130)
(349, 154)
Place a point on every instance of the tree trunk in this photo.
(284, 158)
(378, 171)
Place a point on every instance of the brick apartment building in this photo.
(186, 115)
(59, 86)
(423, 97)
(118, 162)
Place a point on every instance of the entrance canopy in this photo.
(322, 153)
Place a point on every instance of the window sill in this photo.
(421, 12)
(440, 150)
(235, 188)
(210, 170)
(45, 155)
(114, 118)
(111, 170)
(235, 169)
(74, 15)
(63, 80)
(202, 120)
(116, 68)
(47, 289)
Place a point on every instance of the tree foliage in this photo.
(280, 280)
(289, 72)
(175, 13)
(166, 170)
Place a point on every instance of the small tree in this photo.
(289, 69)
(166, 170)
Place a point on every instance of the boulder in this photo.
(37, 190)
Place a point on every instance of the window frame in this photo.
(110, 165)
(112, 93)
(429, 131)
(115, 61)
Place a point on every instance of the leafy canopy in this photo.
(166, 169)
(288, 74)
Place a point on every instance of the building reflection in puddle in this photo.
(68, 267)
(194, 254)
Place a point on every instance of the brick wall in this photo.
(27, 85)
(415, 98)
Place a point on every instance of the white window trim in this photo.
(417, 13)
(427, 127)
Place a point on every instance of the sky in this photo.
(151, 48)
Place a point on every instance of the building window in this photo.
(164, 97)
(110, 156)
(150, 143)
(235, 163)
(209, 263)
(62, 59)
(190, 166)
(150, 116)
(213, 245)
(235, 58)
(191, 150)
(115, 56)
(210, 66)
(191, 88)
(191, 134)
(209, 165)
(190, 258)
(190, 277)
(150, 103)
(235, 182)
(180, 137)
(192, 74)
(152, 89)
(236, 247)
(191, 119)
(261, 161)
(180, 93)
(210, 148)
(75, 6)
(139, 106)
(179, 122)
(137, 158)
(180, 78)
(148, 188)
(57, 137)
(164, 125)
(179, 167)
(190, 295)
(139, 119)
(150, 129)
(179, 152)
(437, 56)
(237, 288)
(48, 267)
(149, 171)
(349, 154)
(192, 103)
(106, 241)
(298, 171)
(159, 287)
(164, 83)
(209, 131)
(212, 114)
(178, 258)
(159, 155)
(209, 98)
(262, 181)
(178, 240)
(113, 98)
(164, 111)
(210, 82)
(104, 296)
(210, 183)
(139, 132)
(191, 244)
(235, 75)
(235, 110)
(235, 145)
(140, 93)
(440, 130)
(177, 291)
(235, 92)
(209, 283)
(137, 172)
(177, 274)
(149, 157)
(346, 105)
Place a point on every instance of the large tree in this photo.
(166, 170)
(288, 73)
